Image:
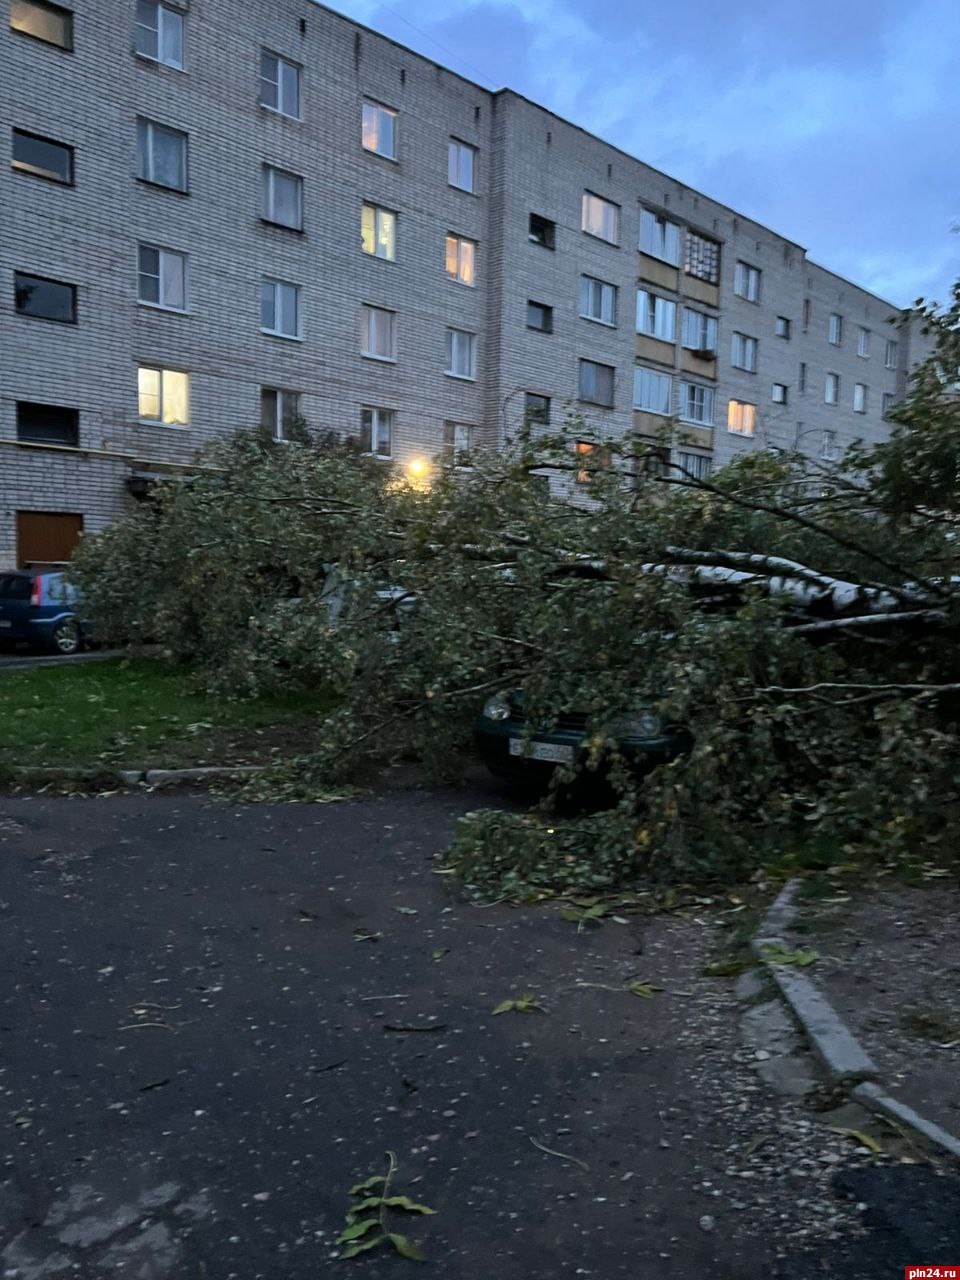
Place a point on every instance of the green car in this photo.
(511, 751)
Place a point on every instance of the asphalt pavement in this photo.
(27, 659)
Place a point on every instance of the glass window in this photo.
(282, 198)
(696, 403)
(379, 132)
(802, 376)
(859, 398)
(782, 327)
(743, 354)
(831, 388)
(279, 84)
(161, 277)
(378, 232)
(652, 391)
(376, 431)
(599, 217)
(542, 231)
(828, 446)
(43, 21)
(863, 343)
(461, 353)
(695, 465)
(164, 396)
(536, 408)
(596, 383)
(741, 418)
(888, 401)
(48, 424)
(699, 331)
(835, 330)
(890, 354)
(279, 411)
(42, 157)
(779, 393)
(598, 300)
(659, 238)
(656, 317)
(161, 155)
(159, 33)
(461, 256)
(280, 308)
(746, 282)
(596, 457)
(457, 441)
(44, 299)
(539, 317)
(378, 337)
(701, 258)
(461, 165)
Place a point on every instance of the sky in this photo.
(834, 122)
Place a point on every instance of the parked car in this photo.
(510, 750)
(41, 609)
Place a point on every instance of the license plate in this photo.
(551, 752)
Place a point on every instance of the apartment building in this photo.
(219, 215)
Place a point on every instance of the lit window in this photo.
(696, 403)
(160, 33)
(656, 317)
(831, 388)
(279, 411)
(779, 394)
(280, 308)
(746, 282)
(599, 217)
(701, 258)
(596, 383)
(539, 317)
(376, 431)
(163, 396)
(48, 424)
(161, 277)
(652, 392)
(461, 256)
(659, 238)
(161, 155)
(741, 417)
(378, 232)
(44, 21)
(43, 157)
(598, 300)
(743, 354)
(457, 441)
(699, 332)
(461, 354)
(536, 408)
(859, 398)
(378, 333)
(379, 131)
(696, 466)
(782, 327)
(594, 457)
(542, 231)
(279, 85)
(890, 354)
(835, 330)
(461, 165)
(282, 198)
(863, 343)
(44, 299)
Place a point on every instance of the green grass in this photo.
(146, 713)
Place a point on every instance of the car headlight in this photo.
(497, 707)
(636, 724)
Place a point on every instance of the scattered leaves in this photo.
(367, 1218)
(774, 953)
(527, 1003)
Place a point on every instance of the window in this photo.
(863, 343)
(696, 403)
(781, 327)
(859, 398)
(701, 258)
(45, 158)
(779, 394)
(456, 443)
(746, 282)
(539, 317)
(743, 354)
(598, 300)
(461, 353)
(376, 431)
(159, 33)
(656, 317)
(699, 331)
(599, 217)
(805, 323)
(887, 404)
(44, 299)
(378, 232)
(163, 396)
(161, 277)
(652, 391)
(659, 238)
(831, 388)
(695, 465)
(282, 198)
(280, 308)
(835, 330)
(595, 458)
(542, 231)
(741, 418)
(43, 21)
(596, 383)
(48, 424)
(536, 408)
(378, 333)
(461, 258)
(802, 377)
(279, 411)
(461, 165)
(161, 155)
(890, 354)
(279, 85)
(379, 131)
(828, 446)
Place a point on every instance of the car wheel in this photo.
(65, 637)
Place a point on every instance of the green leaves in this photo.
(777, 954)
(366, 1229)
(527, 1003)
(405, 1247)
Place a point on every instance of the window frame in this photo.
(268, 184)
(452, 336)
(829, 450)
(279, 416)
(456, 149)
(666, 411)
(592, 287)
(281, 61)
(698, 472)
(782, 327)
(747, 344)
(779, 399)
(24, 166)
(597, 366)
(46, 6)
(696, 264)
(547, 311)
(835, 383)
(370, 323)
(652, 306)
(158, 421)
(377, 413)
(389, 112)
(748, 276)
(549, 238)
(864, 336)
(603, 204)
(297, 289)
(708, 395)
(835, 324)
(892, 347)
(61, 284)
(747, 425)
(453, 456)
(164, 254)
(22, 438)
(531, 416)
(379, 211)
(660, 224)
(861, 394)
(145, 161)
(459, 243)
(712, 326)
(171, 12)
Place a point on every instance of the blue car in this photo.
(41, 610)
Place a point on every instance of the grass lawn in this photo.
(143, 714)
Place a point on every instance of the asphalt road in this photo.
(25, 660)
(215, 1018)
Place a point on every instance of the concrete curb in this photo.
(834, 1043)
(104, 778)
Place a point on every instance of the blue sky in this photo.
(835, 122)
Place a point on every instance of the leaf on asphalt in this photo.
(359, 1187)
(406, 1248)
(404, 1028)
(755, 1142)
(645, 989)
(561, 1155)
(356, 1230)
(726, 968)
(369, 1202)
(527, 1003)
(361, 1246)
(441, 952)
(366, 935)
(863, 1138)
(406, 911)
(404, 1202)
(776, 954)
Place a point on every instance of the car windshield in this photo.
(15, 586)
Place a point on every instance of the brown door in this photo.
(46, 538)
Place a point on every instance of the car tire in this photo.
(65, 637)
